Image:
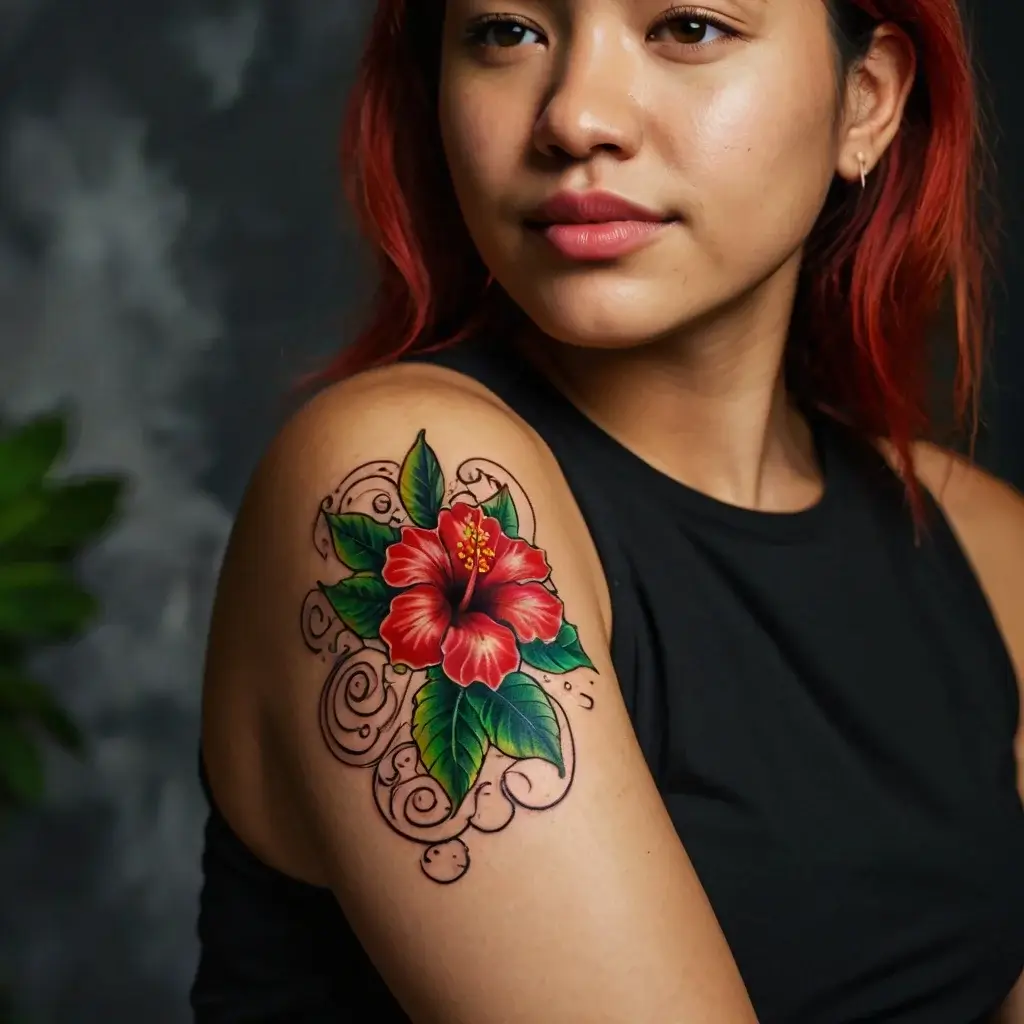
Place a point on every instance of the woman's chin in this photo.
(604, 319)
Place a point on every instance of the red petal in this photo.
(450, 526)
(478, 649)
(533, 612)
(419, 557)
(414, 627)
(515, 561)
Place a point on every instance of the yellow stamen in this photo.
(478, 552)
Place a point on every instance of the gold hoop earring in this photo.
(862, 161)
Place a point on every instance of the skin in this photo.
(677, 352)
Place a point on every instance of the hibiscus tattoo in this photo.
(474, 596)
(446, 629)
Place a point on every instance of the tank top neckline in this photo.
(511, 367)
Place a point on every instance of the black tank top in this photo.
(828, 710)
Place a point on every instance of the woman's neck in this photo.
(709, 409)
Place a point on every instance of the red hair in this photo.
(877, 268)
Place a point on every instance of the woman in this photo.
(653, 668)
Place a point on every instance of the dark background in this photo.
(173, 257)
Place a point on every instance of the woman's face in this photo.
(720, 122)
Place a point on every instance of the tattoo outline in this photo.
(442, 635)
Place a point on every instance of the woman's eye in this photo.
(688, 30)
(505, 34)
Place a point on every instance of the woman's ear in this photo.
(875, 97)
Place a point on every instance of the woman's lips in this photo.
(599, 242)
(595, 226)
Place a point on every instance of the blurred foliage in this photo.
(44, 524)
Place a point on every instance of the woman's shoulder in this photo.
(383, 414)
(985, 512)
(362, 459)
(376, 415)
(987, 516)
(965, 489)
(405, 433)
(406, 385)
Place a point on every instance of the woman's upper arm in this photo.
(443, 741)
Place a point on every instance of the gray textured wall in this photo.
(171, 259)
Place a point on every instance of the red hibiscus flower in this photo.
(473, 592)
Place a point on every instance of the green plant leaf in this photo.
(450, 736)
(21, 767)
(360, 542)
(19, 515)
(503, 508)
(421, 483)
(25, 698)
(28, 453)
(59, 518)
(40, 600)
(77, 511)
(361, 601)
(562, 655)
(519, 718)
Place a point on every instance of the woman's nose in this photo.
(591, 106)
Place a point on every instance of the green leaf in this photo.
(21, 767)
(28, 453)
(77, 512)
(24, 697)
(451, 738)
(519, 718)
(362, 601)
(20, 515)
(560, 656)
(360, 542)
(63, 517)
(421, 483)
(503, 508)
(41, 600)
